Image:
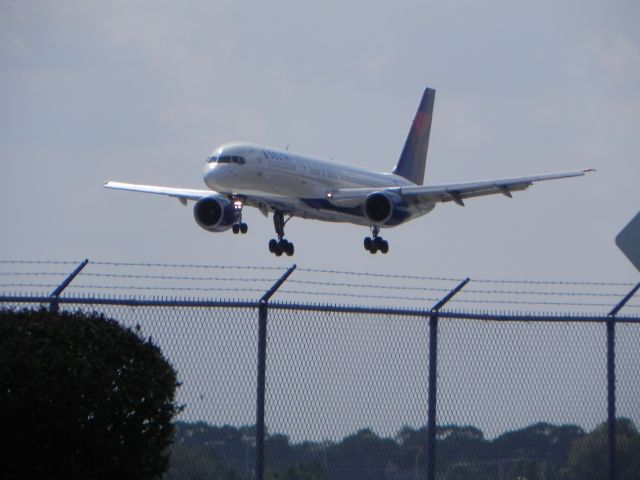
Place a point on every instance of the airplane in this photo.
(292, 185)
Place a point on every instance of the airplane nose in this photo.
(217, 176)
(209, 174)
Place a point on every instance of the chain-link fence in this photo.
(305, 391)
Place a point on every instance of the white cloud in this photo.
(16, 47)
(620, 56)
(376, 62)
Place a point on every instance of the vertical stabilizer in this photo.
(414, 154)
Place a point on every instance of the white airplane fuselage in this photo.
(301, 184)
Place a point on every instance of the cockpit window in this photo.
(237, 159)
(232, 159)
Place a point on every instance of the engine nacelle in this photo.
(382, 208)
(215, 213)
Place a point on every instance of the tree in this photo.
(588, 457)
(82, 397)
(197, 463)
(300, 472)
(234, 447)
(362, 455)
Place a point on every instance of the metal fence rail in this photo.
(302, 390)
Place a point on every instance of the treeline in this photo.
(540, 451)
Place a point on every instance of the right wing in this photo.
(182, 194)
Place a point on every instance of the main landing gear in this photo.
(281, 245)
(375, 244)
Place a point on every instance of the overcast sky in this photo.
(143, 91)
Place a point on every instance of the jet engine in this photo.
(383, 208)
(215, 213)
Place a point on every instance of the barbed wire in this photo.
(541, 293)
(556, 283)
(30, 274)
(39, 262)
(318, 283)
(319, 271)
(146, 277)
(384, 275)
(458, 279)
(179, 265)
(455, 300)
(28, 285)
(325, 294)
(134, 287)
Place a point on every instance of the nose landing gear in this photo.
(375, 243)
(239, 227)
(281, 245)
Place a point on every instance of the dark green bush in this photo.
(82, 397)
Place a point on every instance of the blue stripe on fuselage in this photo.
(399, 215)
(323, 204)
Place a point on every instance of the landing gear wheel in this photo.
(281, 245)
(244, 228)
(375, 244)
(278, 247)
(287, 248)
(235, 228)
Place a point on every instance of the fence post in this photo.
(433, 383)
(611, 382)
(611, 395)
(432, 395)
(262, 367)
(55, 295)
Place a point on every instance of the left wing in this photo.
(455, 192)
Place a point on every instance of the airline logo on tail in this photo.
(411, 164)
